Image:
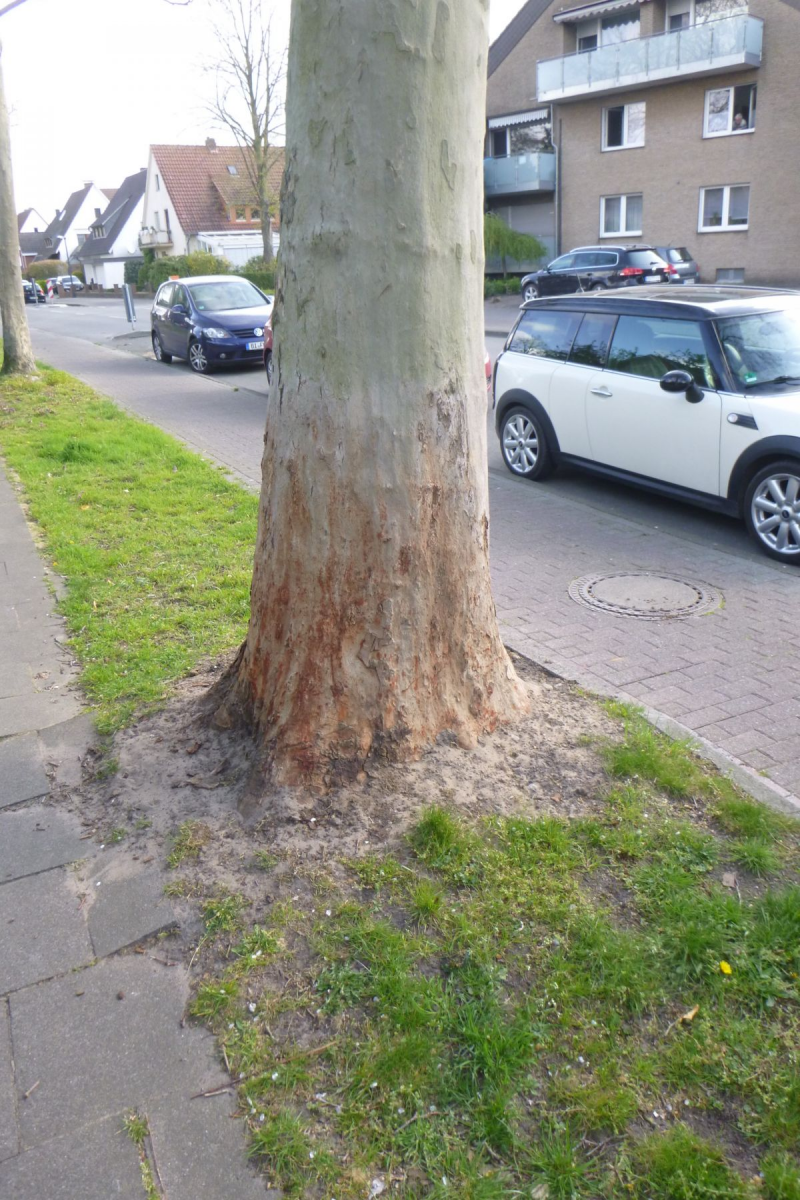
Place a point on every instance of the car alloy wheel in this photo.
(269, 367)
(197, 358)
(531, 292)
(774, 512)
(158, 350)
(524, 445)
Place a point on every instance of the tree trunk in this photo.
(17, 349)
(373, 627)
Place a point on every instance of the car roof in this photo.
(206, 279)
(612, 246)
(667, 300)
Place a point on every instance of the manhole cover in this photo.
(647, 597)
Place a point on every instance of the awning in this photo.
(526, 118)
(585, 11)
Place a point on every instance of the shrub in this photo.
(202, 263)
(43, 270)
(262, 279)
(258, 264)
(162, 268)
(133, 268)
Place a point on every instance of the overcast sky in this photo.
(92, 83)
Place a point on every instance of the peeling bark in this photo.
(373, 627)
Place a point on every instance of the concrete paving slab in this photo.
(9, 1132)
(125, 910)
(36, 839)
(22, 774)
(16, 680)
(64, 746)
(43, 930)
(97, 1164)
(94, 1053)
(202, 1153)
(21, 714)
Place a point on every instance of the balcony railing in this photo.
(723, 45)
(534, 172)
(154, 237)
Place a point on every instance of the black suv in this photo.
(593, 267)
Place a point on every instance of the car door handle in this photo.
(601, 391)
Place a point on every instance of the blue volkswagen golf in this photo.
(209, 320)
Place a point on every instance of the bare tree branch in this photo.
(250, 69)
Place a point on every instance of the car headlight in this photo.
(216, 333)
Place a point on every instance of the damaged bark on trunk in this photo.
(373, 627)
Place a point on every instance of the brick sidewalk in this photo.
(733, 677)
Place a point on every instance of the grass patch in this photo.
(138, 1130)
(155, 544)
(190, 839)
(505, 1009)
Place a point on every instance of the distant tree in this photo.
(45, 268)
(502, 240)
(250, 67)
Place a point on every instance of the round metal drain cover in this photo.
(644, 596)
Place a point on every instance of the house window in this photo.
(98, 232)
(608, 31)
(679, 14)
(499, 143)
(730, 110)
(730, 275)
(623, 126)
(621, 215)
(724, 208)
(158, 184)
(166, 219)
(255, 214)
(48, 242)
(233, 170)
(240, 214)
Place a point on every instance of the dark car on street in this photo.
(592, 268)
(33, 293)
(686, 269)
(210, 320)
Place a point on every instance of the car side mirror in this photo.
(180, 310)
(681, 381)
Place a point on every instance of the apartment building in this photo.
(671, 122)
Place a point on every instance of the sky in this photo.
(92, 83)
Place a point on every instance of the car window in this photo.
(591, 343)
(563, 263)
(226, 295)
(545, 334)
(652, 346)
(180, 296)
(165, 295)
(586, 258)
(644, 258)
(762, 348)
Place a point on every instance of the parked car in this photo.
(692, 394)
(589, 268)
(70, 283)
(686, 269)
(32, 292)
(268, 340)
(210, 320)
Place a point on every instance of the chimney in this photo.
(211, 145)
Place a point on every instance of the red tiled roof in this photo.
(192, 175)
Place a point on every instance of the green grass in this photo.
(497, 1011)
(189, 841)
(155, 544)
(138, 1130)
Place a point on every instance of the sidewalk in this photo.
(91, 1016)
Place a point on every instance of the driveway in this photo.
(731, 676)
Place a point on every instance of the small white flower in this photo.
(401, 1111)
(274, 1074)
(261, 1118)
(251, 1007)
(320, 1095)
(311, 1154)
(374, 1084)
(444, 1181)
(327, 912)
(580, 1058)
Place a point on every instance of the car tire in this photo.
(198, 359)
(530, 292)
(523, 444)
(159, 351)
(772, 509)
(268, 366)
(598, 287)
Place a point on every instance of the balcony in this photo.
(728, 44)
(518, 173)
(150, 238)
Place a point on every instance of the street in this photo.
(730, 676)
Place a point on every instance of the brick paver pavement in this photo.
(732, 676)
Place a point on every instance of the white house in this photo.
(202, 198)
(114, 237)
(70, 226)
(30, 227)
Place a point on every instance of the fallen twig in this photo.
(308, 1053)
(31, 1090)
(416, 1116)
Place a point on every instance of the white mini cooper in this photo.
(692, 393)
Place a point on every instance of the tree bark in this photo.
(17, 349)
(373, 627)
(263, 199)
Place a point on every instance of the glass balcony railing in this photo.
(723, 45)
(534, 172)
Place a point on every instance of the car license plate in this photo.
(255, 345)
(652, 278)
